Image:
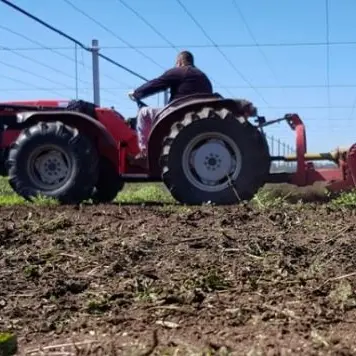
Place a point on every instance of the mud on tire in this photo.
(53, 160)
(211, 161)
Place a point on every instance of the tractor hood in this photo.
(39, 103)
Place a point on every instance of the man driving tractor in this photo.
(182, 80)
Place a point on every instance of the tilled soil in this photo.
(174, 280)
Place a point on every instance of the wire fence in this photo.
(279, 148)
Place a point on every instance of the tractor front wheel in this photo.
(53, 160)
(212, 156)
(109, 184)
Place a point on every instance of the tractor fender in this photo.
(94, 129)
(175, 112)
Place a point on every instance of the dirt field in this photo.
(178, 281)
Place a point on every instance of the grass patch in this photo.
(345, 200)
(133, 193)
(270, 196)
(8, 344)
(136, 193)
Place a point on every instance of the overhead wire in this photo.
(227, 59)
(15, 80)
(137, 14)
(153, 28)
(54, 50)
(31, 40)
(105, 28)
(312, 86)
(57, 70)
(220, 45)
(34, 74)
(328, 43)
(44, 47)
(160, 34)
(70, 38)
(327, 34)
(249, 30)
(41, 45)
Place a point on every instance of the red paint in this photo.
(117, 141)
(44, 103)
(113, 136)
(8, 137)
(341, 178)
(119, 129)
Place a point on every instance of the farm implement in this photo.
(204, 148)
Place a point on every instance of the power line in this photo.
(171, 45)
(220, 45)
(241, 45)
(312, 86)
(159, 33)
(26, 83)
(263, 54)
(327, 51)
(54, 50)
(61, 33)
(42, 46)
(69, 3)
(294, 86)
(307, 107)
(153, 28)
(57, 70)
(33, 73)
(219, 50)
(32, 87)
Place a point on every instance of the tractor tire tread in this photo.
(261, 154)
(108, 184)
(79, 147)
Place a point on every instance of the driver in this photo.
(182, 80)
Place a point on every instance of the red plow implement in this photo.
(338, 179)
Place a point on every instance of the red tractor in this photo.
(203, 147)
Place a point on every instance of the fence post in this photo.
(288, 153)
(279, 150)
(96, 78)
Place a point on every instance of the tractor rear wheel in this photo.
(212, 156)
(53, 160)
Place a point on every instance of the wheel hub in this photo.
(51, 167)
(212, 161)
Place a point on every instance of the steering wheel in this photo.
(140, 103)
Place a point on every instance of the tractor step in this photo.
(140, 178)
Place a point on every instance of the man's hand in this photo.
(131, 95)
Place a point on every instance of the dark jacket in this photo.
(181, 81)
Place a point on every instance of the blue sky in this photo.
(277, 78)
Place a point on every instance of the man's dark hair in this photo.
(186, 57)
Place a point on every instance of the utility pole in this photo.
(96, 77)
